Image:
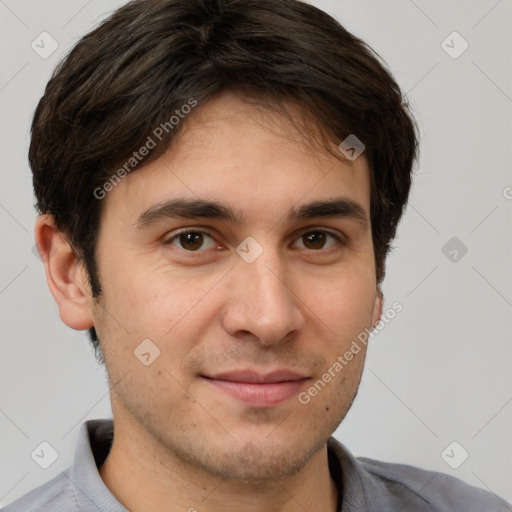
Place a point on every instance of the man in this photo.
(218, 183)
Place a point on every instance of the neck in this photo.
(146, 477)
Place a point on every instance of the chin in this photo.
(251, 465)
(260, 460)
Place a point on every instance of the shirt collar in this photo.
(92, 447)
(95, 440)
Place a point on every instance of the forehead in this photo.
(252, 158)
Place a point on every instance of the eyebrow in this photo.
(183, 208)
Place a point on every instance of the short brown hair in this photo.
(131, 73)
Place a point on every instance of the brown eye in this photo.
(191, 241)
(317, 240)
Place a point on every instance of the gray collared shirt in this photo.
(364, 485)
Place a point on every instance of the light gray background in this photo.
(439, 372)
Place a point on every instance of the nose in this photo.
(262, 303)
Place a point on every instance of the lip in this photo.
(258, 389)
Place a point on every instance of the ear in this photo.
(65, 274)
(377, 307)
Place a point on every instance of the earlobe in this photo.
(377, 308)
(65, 274)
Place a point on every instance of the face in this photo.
(246, 303)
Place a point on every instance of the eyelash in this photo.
(202, 232)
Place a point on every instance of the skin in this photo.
(180, 441)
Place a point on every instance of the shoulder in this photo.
(437, 491)
(376, 486)
(56, 495)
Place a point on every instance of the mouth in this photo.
(258, 389)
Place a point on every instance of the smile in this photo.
(258, 390)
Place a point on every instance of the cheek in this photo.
(161, 303)
(344, 303)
